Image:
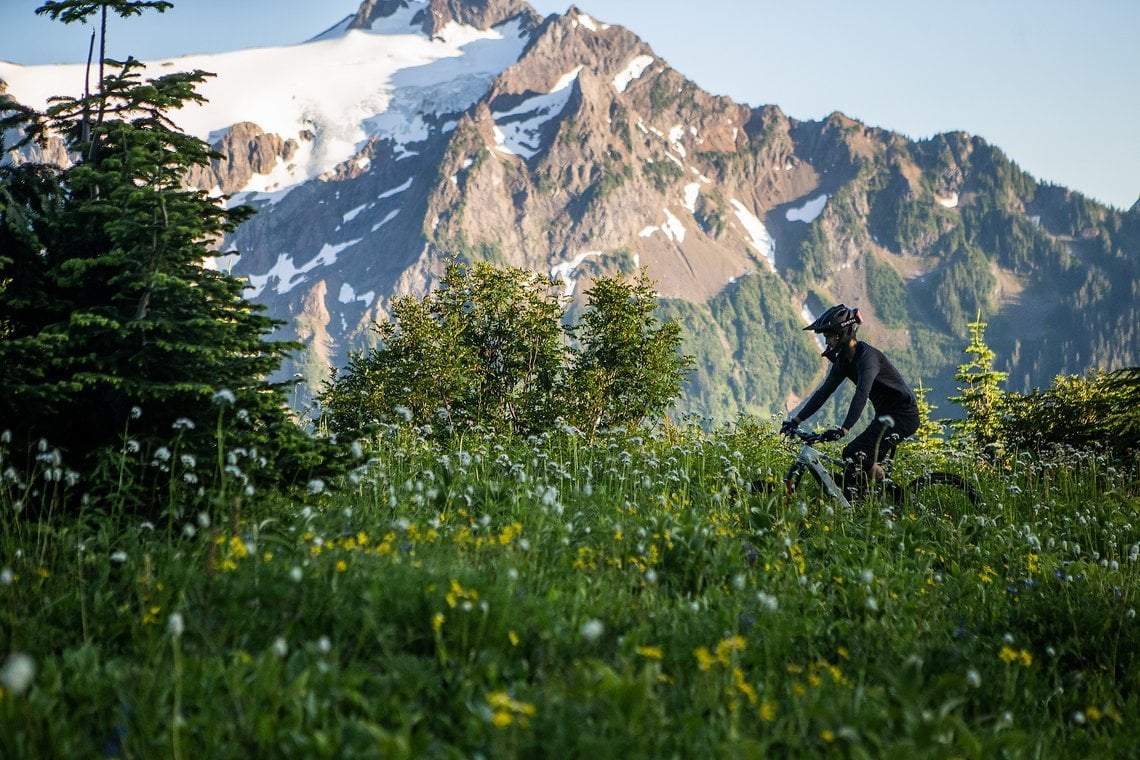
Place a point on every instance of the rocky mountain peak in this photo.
(433, 15)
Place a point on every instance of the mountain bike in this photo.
(811, 459)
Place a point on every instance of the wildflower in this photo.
(437, 621)
(513, 638)
(324, 645)
(592, 630)
(768, 602)
(280, 647)
(136, 412)
(1010, 655)
(506, 709)
(17, 674)
(188, 460)
(182, 423)
(175, 625)
(6, 577)
(316, 485)
(973, 678)
(404, 412)
(132, 446)
(652, 653)
(295, 574)
(767, 711)
(119, 557)
(223, 396)
(341, 566)
(162, 454)
(725, 647)
(827, 735)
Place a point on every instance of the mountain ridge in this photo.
(576, 150)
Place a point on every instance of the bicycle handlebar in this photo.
(805, 436)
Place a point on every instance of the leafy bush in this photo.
(1101, 409)
(488, 349)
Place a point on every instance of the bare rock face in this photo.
(434, 15)
(246, 150)
(371, 10)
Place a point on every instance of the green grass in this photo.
(622, 599)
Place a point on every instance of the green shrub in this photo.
(488, 349)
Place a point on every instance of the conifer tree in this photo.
(113, 324)
(980, 391)
(930, 432)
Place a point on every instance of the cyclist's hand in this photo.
(832, 434)
(789, 425)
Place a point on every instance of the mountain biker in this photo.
(876, 379)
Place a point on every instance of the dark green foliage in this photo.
(663, 173)
(626, 368)
(1101, 409)
(750, 348)
(902, 222)
(813, 257)
(963, 285)
(484, 349)
(488, 349)
(111, 321)
(888, 291)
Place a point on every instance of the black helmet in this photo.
(839, 320)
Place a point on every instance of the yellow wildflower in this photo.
(767, 711)
(652, 653)
(704, 658)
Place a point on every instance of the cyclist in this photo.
(875, 379)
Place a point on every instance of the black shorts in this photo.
(879, 440)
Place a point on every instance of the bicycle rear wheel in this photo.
(937, 486)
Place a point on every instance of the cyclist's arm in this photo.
(866, 371)
(822, 393)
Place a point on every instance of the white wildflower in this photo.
(280, 647)
(182, 423)
(175, 625)
(223, 396)
(119, 557)
(17, 674)
(592, 629)
(295, 574)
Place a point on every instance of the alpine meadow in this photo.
(517, 488)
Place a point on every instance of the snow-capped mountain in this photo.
(418, 129)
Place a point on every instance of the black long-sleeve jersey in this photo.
(875, 378)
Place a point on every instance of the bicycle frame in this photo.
(814, 460)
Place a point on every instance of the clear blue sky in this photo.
(1054, 83)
